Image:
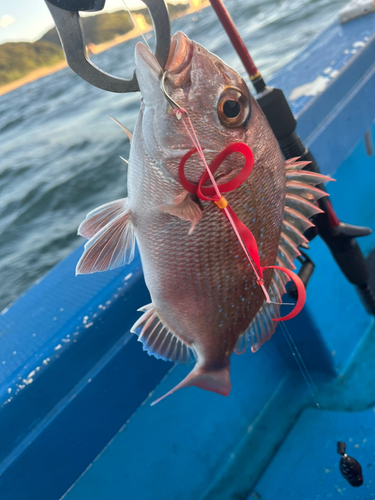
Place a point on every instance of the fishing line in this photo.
(181, 114)
(201, 154)
(301, 364)
(349, 467)
(195, 141)
(305, 373)
(136, 24)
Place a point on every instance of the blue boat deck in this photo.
(76, 386)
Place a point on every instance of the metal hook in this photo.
(69, 28)
(173, 104)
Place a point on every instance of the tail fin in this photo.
(215, 381)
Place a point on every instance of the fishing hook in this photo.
(171, 102)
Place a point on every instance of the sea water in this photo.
(59, 151)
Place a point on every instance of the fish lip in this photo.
(144, 55)
(180, 54)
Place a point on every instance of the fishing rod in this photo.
(338, 236)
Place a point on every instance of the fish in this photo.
(205, 299)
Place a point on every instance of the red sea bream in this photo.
(206, 303)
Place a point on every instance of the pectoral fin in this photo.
(110, 247)
(186, 210)
(98, 218)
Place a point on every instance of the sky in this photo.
(28, 20)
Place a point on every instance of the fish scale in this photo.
(206, 302)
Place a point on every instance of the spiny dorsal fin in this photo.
(284, 257)
(294, 163)
(158, 340)
(300, 193)
(307, 177)
(262, 327)
(289, 247)
(303, 190)
(112, 246)
(297, 219)
(301, 205)
(293, 233)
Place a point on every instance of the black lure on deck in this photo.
(350, 469)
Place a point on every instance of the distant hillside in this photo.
(19, 59)
(101, 28)
(105, 27)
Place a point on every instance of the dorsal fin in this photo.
(303, 190)
(307, 177)
(289, 247)
(293, 233)
(300, 194)
(158, 340)
(284, 258)
(297, 219)
(293, 164)
(301, 205)
(262, 327)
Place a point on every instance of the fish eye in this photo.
(233, 108)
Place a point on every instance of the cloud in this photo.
(6, 21)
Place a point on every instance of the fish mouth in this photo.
(144, 57)
(180, 56)
(149, 71)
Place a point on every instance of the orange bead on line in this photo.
(222, 203)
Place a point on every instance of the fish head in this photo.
(215, 96)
